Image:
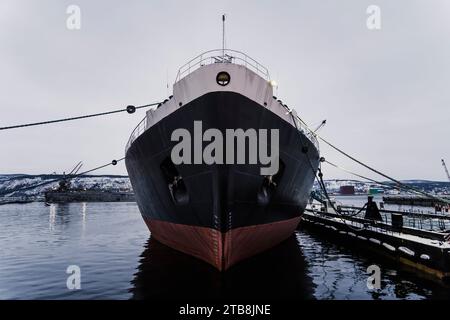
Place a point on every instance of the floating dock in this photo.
(417, 240)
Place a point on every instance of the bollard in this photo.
(397, 221)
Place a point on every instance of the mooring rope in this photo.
(361, 176)
(338, 211)
(384, 175)
(318, 174)
(129, 109)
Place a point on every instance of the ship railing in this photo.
(299, 123)
(303, 127)
(309, 134)
(140, 128)
(222, 56)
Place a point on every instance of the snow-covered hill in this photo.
(36, 185)
(437, 187)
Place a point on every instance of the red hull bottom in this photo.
(222, 250)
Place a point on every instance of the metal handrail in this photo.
(222, 56)
(308, 132)
(140, 128)
(303, 127)
(142, 125)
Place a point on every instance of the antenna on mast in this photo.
(167, 81)
(223, 36)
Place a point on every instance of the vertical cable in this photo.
(223, 36)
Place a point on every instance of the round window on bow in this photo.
(223, 78)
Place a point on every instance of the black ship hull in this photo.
(221, 213)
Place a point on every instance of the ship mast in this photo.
(223, 37)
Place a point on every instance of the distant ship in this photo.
(65, 193)
(221, 212)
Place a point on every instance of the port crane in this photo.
(64, 184)
(446, 170)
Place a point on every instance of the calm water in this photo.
(119, 260)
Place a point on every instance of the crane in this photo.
(64, 184)
(445, 168)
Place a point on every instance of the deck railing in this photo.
(222, 56)
(140, 128)
(142, 125)
(303, 127)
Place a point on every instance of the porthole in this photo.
(223, 78)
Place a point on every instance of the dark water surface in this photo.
(118, 260)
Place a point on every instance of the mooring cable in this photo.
(397, 187)
(361, 176)
(337, 210)
(384, 175)
(129, 109)
(112, 163)
(318, 174)
(400, 184)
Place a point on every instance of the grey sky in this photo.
(385, 93)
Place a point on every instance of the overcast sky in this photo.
(385, 93)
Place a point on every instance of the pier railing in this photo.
(431, 225)
(222, 56)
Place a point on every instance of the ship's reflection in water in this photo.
(301, 268)
(166, 274)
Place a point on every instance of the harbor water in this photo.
(118, 259)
